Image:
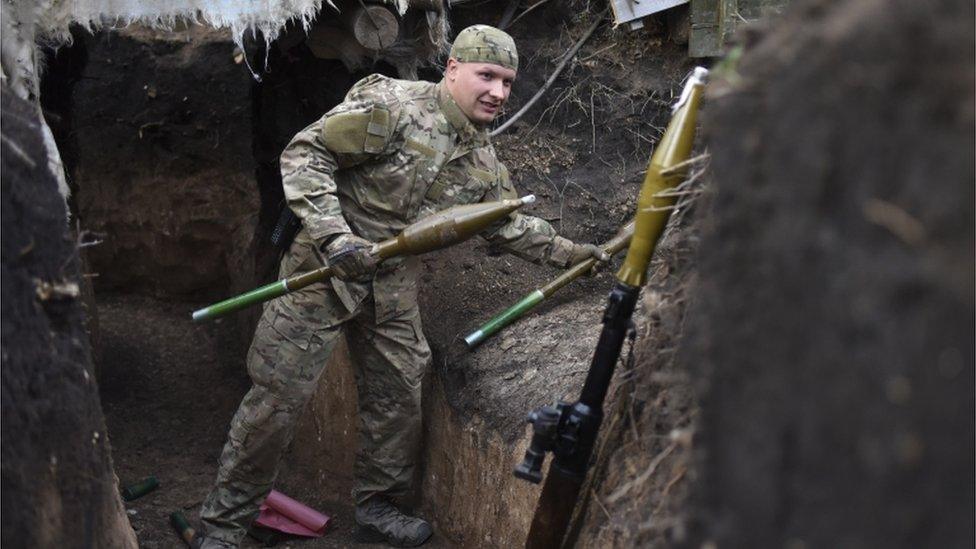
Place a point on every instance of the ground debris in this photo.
(47, 291)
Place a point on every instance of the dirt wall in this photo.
(464, 485)
(326, 438)
(468, 488)
(59, 489)
(160, 141)
(832, 329)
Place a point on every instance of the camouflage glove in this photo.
(350, 258)
(582, 252)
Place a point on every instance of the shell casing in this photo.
(138, 489)
(182, 527)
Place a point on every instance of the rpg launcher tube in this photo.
(653, 211)
(436, 231)
(579, 423)
(527, 303)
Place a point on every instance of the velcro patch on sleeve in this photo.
(377, 130)
(357, 131)
(346, 132)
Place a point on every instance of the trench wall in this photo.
(58, 483)
(159, 153)
(837, 392)
(466, 484)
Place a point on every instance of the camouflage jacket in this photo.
(392, 152)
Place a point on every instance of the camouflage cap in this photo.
(485, 44)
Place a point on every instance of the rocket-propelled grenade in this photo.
(524, 305)
(663, 173)
(569, 431)
(436, 231)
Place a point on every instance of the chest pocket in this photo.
(461, 186)
(430, 157)
(474, 187)
(406, 177)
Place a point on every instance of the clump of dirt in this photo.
(58, 485)
(832, 328)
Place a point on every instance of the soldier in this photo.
(393, 151)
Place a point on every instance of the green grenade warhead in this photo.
(433, 232)
(448, 227)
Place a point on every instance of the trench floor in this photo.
(169, 391)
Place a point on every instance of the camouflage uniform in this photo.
(392, 152)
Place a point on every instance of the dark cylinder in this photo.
(616, 320)
(138, 489)
(182, 527)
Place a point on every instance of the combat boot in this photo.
(379, 520)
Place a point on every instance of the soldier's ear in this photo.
(452, 69)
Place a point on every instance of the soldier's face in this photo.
(480, 89)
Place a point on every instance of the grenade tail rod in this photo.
(569, 431)
(436, 231)
(529, 301)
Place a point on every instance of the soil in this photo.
(173, 153)
(168, 395)
(58, 486)
(832, 329)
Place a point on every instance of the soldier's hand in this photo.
(582, 252)
(350, 258)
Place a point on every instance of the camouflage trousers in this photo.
(285, 361)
